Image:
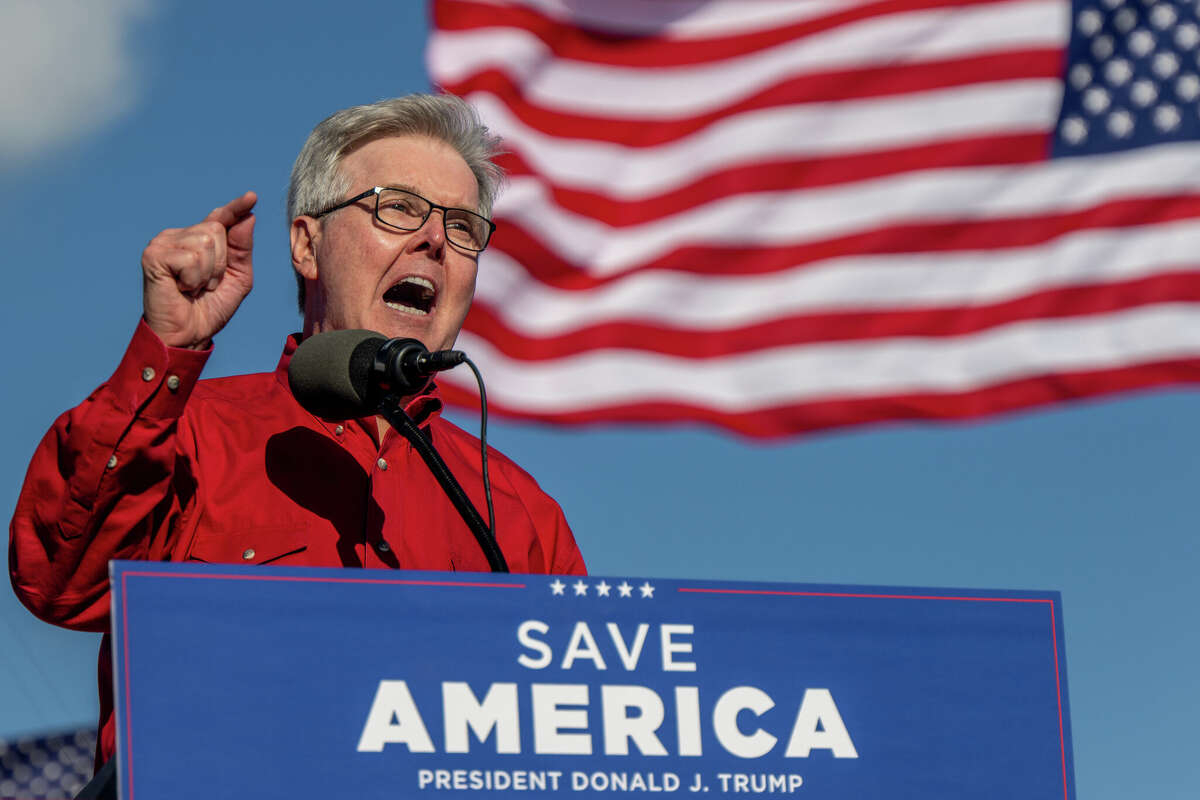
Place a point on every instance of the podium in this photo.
(319, 683)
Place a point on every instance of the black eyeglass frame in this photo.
(378, 192)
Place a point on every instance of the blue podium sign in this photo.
(316, 683)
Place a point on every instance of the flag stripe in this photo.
(867, 282)
(670, 92)
(549, 267)
(781, 175)
(674, 19)
(707, 342)
(876, 126)
(568, 40)
(790, 218)
(808, 372)
(792, 418)
(822, 87)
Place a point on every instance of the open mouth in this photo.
(412, 295)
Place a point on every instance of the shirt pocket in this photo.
(281, 543)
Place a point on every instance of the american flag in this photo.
(777, 215)
(46, 767)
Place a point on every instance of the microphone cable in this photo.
(487, 484)
(428, 362)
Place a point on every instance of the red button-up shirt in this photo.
(159, 465)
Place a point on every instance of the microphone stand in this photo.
(103, 785)
(393, 412)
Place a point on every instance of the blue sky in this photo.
(122, 117)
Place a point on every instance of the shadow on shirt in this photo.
(318, 475)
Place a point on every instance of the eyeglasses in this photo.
(407, 211)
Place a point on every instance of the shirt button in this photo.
(339, 430)
(383, 546)
(112, 462)
(148, 373)
(248, 554)
(381, 463)
(173, 383)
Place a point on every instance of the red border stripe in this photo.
(128, 690)
(869, 596)
(304, 579)
(1062, 740)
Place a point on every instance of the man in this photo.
(388, 207)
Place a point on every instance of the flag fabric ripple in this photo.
(777, 216)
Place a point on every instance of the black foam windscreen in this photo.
(330, 373)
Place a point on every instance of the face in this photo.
(361, 273)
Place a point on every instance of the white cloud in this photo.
(66, 69)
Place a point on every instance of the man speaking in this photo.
(389, 208)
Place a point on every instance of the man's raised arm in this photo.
(111, 478)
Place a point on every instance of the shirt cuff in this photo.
(156, 380)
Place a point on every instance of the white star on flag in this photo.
(557, 587)
(580, 588)
(602, 588)
(625, 589)
(647, 589)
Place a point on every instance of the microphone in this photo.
(345, 374)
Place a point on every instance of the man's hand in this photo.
(193, 279)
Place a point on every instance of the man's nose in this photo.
(432, 232)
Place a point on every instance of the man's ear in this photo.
(304, 233)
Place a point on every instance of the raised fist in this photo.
(194, 279)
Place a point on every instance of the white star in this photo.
(602, 588)
(1162, 16)
(625, 589)
(1165, 64)
(1187, 36)
(1074, 130)
(1188, 87)
(646, 589)
(1118, 72)
(1081, 76)
(557, 587)
(1167, 118)
(1096, 100)
(1102, 46)
(1141, 43)
(580, 588)
(1120, 124)
(1089, 21)
(1143, 92)
(1125, 19)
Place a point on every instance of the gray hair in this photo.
(317, 181)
